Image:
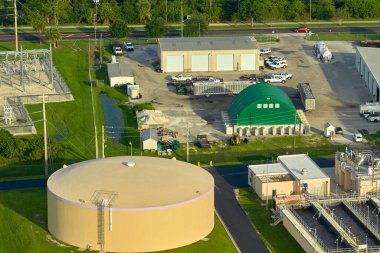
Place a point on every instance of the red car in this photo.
(302, 30)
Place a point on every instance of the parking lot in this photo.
(337, 86)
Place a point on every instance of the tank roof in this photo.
(150, 183)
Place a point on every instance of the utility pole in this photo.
(166, 11)
(210, 4)
(92, 101)
(95, 16)
(199, 29)
(101, 50)
(181, 18)
(103, 142)
(294, 137)
(266, 202)
(45, 135)
(310, 10)
(15, 14)
(187, 143)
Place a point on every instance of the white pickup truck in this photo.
(278, 65)
(275, 79)
(374, 117)
(181, 78)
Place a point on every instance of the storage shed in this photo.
(208, 54)
(368, 65)
(262, 109)
(149, 139)
(119, 73)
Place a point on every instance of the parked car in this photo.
(274, 79)
(373, 117)
(118, 51)
(271, 57)
(128, 46)
(338, 130)
(248, 77)
(265, 51)
(284, 74)
(207, 79)
(181, 78)
(302, 30)
(358, 138)
(278, 65)
(280, 59)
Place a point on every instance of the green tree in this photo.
(54, 36)
(128, 9)
(8, 145)
(119, 29)
(39, 25)
(295, 10)
(108, 12)
(143, 10)
(156, 27)
(195, 26)
(80, 10)
(324, 9)
(363, 8)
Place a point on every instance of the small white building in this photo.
(149, 139)
(120, 73)
(368, 65)
(329, 130)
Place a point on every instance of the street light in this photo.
(130, 143)
(95, 15)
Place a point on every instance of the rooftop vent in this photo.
(130, 164)
(304, 171)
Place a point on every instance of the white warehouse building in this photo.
(205, 54)
(368, 65)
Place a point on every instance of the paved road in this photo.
(234, 216)
(227, 178)
(32, 36)
(23, 184)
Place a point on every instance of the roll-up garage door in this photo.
(225, 62)
(174, 63)
(199, 62)
(248, 62)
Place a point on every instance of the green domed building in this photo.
(262, 109)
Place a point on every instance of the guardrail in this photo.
(309, 229)
(363, 218)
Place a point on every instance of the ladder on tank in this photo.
(101, 226)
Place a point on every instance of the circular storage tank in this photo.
(156, 204)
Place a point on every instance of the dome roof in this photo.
(150, 183)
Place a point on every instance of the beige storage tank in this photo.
(130, 204)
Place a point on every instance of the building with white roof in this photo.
(291, 174)
(204, 54)
(367, 63)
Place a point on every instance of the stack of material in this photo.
(151, 119)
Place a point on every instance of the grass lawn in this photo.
(23, 227)
(344, 36)
(277, 238)
(72, 122)
(259, 150)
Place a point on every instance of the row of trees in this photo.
(50, 12)
(31, 148)
(155, 14)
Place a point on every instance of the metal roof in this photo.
(244, 108)
(206, 43)
(119, 69)
(268, 169)
(151, 183)
(149, 134)
(296, 163)
(371, 56)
